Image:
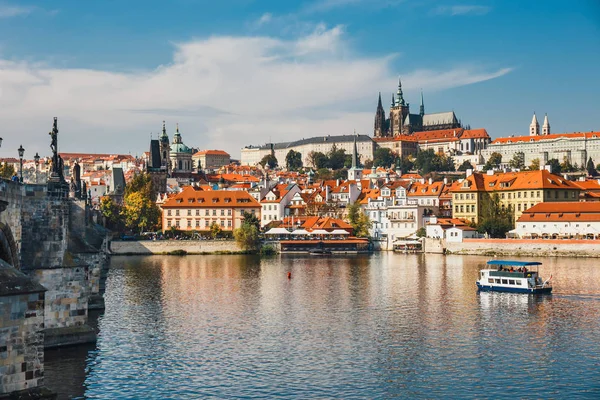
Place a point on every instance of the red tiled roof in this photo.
(524, 180)
(212, 153)
(516, 139)
(192, 198)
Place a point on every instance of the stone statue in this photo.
(76, 177)
(56, 172)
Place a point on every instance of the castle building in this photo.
(402, 122)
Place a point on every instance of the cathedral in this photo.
(402, 122)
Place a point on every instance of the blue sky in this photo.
(241, 72)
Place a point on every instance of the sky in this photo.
(246, 72)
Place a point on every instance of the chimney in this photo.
(433, 220)
(445, 180)
(469, 172)
(548, 168)
(490, 172)
(430, 181)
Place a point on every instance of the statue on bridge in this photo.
(57, 168)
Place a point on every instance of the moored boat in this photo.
(513, 276)
(320, 252)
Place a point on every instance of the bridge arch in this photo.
(8, 246)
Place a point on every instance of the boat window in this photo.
(519, 282)
(497, 280)
(511, 281)
(504, 281)
(490, 280)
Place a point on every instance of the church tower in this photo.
(534, 128)
(379, 130)
(546, 126)
(422, 107)
(355, 173)
(398, 112)
(165, 148)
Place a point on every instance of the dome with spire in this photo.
(178, 146)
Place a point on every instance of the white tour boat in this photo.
(513, 276)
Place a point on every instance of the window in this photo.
(189, 212)
(197, 223)
(222, 223)
(189, 223)
(206, 224)
(169, 223)
(519, 195)
(229, 212)
(222, 212)
(505, 281)
(566, 195)
(229, 223)
(490, 280)
(525, 194)
(197, 212)
(511, 281)
(214, 212)
(176, 212)
(518, 282)
(177, 223)
(206, 212)
(532, 194)
(497, 280)
(169, 213)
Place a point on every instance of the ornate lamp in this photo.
(36, 158)
(21, 151)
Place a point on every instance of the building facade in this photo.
(198, 210)
(211, 159)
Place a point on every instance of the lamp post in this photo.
(36, 158)
(0, 142)
(21, 151)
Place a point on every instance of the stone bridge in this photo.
(52, 257)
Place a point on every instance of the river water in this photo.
(356, 327)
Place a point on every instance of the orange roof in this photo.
(192, 198)
(517, 139)
(590, 184)
(425, 189)
(399, 138)
(507, 181)
(439, 135)
(474, 134)
(411, 176)
(212, 153)
(562, 211)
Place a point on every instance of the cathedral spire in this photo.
(379, 101)
(422, 107)
(400, 96)
(164, 135)
(546, 126)
(534, 128)
(354, 153)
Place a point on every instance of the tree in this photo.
(6, 171)
(368, 164)
(317, 159)
(323, 174)
(421, 232)
(405, 164)
(112, 212)
(384, 157)
(340, 174)
(140, 212)
(518, 161)
(591, 169)
(495, 220)
(555, 166)
(359, 220)
(215, 230)
(465, 166)
(269, 160)
(293, 160)
(566, 166)
(336, 158)
(427, 161)
(246, 236)
(493, 162)
(535, 164)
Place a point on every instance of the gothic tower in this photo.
(546, 126)
(379, 130)
(398, 112)
(534, 128)
(422, 107)
(165, 148)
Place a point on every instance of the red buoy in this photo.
(289, 275)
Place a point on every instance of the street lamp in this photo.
(21, 151)
(0, 142)
(36, 158)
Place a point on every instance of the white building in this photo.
(274, 204)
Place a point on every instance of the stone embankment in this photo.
(149, 247)
(516, 247)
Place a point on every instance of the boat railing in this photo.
(514, 274)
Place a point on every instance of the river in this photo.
(344, 327)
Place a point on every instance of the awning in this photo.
(300, 232)
(339, 232)
(277, 231)
(319, 232)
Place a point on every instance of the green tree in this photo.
(6, 171)
(359, 220)
(323, 174)
(269, 160)
(493, 162)
(518, 161)
(555, 166)
(140, 212)
(535, 164)
(405, 164)
(591, 169)
(246, 236)
(465, 166)
(317, 159)
(368, 164)
(340, 174)
(495, 220)
(293, 160)
(112, 212)
(566, 166)
(384, 157)
(215, 230)
(421, 232)
(428, 161)
(336, 157)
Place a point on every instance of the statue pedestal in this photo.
(58, 188)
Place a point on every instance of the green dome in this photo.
(180, 148)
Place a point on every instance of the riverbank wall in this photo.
(149, 247)
(515, 247)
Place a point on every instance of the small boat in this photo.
(513, 276)
(320, 252)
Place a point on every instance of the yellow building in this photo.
(517, 190)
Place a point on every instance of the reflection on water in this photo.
(342, 327)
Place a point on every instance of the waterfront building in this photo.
(451, 229)
(251, 155)
(275, 202)
(211, 159)
(568, 220)
(517, 190)
(196, 209)
(402, 122)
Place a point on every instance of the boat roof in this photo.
(515, 263)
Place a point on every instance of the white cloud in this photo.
(226, 92)
(9, 11)
(462, 10)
